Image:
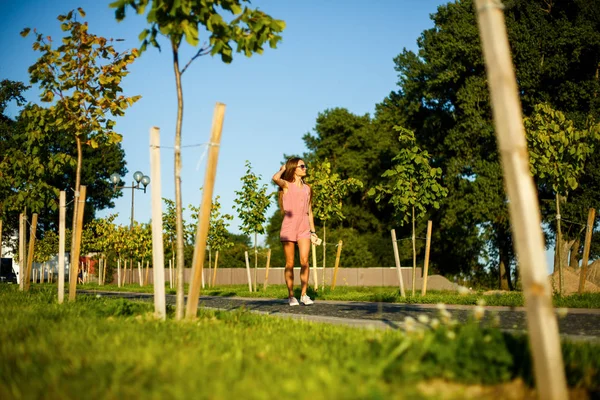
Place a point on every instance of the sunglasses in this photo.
(302, 166)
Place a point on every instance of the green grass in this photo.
(377, 294)
(98, 347)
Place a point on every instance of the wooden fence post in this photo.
(205, 208)
(397, 259)
(586, 249)
(522, 202)
(426, 263)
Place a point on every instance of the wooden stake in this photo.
(313, 250)
(426, 264)
(558, 246)
(255, 262)
(209, 266)
(104, 273)
(0, 238)
(22, 244)
(397, 259)
(267, 269)
(205, 208)
(337, 264)
(170, 274)
(414, 248)
(214, 278)
(30, 251)
(522, 202)
(158, 255)
(248, 271)
(324, 257)
(77, 243)
(586, 249)
(118, 272)
(147, 271)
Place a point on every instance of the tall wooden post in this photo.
(30, 252)
(22, 252)
(523, 203)
(586, 249)
(558, 246)
(267, 269)
(313, 250)
(214, 277)
(62, 212)
(414, 251)
(397, 259)
(158, 255)
(205, 208)
(337, 264)
(426, 263)
(74, 268)
(248, 272)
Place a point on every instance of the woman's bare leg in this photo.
(303, 250)
(288, 250)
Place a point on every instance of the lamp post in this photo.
(139, 177)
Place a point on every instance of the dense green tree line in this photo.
(442, 96)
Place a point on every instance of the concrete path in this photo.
(577, 324)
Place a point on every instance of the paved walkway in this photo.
(577, 324)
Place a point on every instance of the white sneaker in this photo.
(306, 300)
(293, 301)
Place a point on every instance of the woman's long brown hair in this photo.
(288, 175)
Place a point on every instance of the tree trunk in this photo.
(179, 303)
(574, 254)
(504, 269)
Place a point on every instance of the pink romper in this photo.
(295, 223)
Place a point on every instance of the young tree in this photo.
(249, 30)
(328, 192)
(412, 184)
(81, 80)
(558, 152)
(218, 235)
(45, 249)
(98, 237)
(252, 204)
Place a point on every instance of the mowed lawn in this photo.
(98, 348)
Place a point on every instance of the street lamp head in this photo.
(138, 175)
(115, 178)
(145, 180)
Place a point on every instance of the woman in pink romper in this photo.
(298, 227)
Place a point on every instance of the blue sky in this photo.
(333, 54)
